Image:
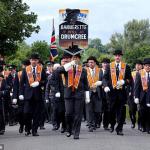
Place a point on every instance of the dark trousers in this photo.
(2, 121)
(145, 117)
(32, 112)
(132, 110)
(74, 111)
(106, 113)
(117, 110)
(94, 110)
(58, 113)
(21, 113)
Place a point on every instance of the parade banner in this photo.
(73, 30)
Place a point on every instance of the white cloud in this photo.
(105, 18)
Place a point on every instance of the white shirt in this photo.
(35, 68)
(92, 71)
(119, 65)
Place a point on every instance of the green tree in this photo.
(136, 33)
(116, 42)
(16, 24)
(97, 44)
(42, 48)
(90, 52)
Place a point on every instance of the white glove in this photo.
(136, 101)
(107, 89)
(57, 94)
(21, 97)
(120, 82)
(98, 83)
(11, 94)
(14, 101)
(87, 97)
(69, 65)
(47, 101)
(148, 105)
(35, 84)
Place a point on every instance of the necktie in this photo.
(93, 73)
(117, 71)
(34, 75)
(148, 79)
(74, 70)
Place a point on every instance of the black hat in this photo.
(2, 62)
(2, 76)
(139, 62)
(92, 58)
(26, 62)
(146, 61)
(34, 56)
(78, 55)
(12, 67)
(106, 60)
(49, 63)
(118, 52)
(1, 68)
(66, 55)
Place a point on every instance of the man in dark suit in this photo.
(142, 94)
(3, 93)
(116, 77)
(75, 92)
(133, 108)
(94, 107)
(31, 83)
(105, 98)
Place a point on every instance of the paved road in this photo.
(98, 140)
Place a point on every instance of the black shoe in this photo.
(76, 137)
(35, 134)
(21, 129)
(68, 134)
(27, 133)
(98, 126)
(148, 132)
(1, 132)
(120, 133)
(106, 128)
(133, 126)
(62, 130)
(143, 130)
(42, 128)
(112, 129)
(90, 129)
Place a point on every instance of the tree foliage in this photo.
(16, 24)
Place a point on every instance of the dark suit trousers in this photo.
(32, 113)
(117, 110)
(94, 110)
(74, 111)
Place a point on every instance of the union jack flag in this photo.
(53, 46)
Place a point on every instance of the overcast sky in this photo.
(105, 16)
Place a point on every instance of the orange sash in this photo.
(113, 73)
(30, 74)
(134, 75)
(144, 79)
(74, 82)
(19, 75)
(63, 79)
(92, 80)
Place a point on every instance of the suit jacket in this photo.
(107, 81)
(28, 91)
(138, 90)
(79, 93)
(3, 93)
